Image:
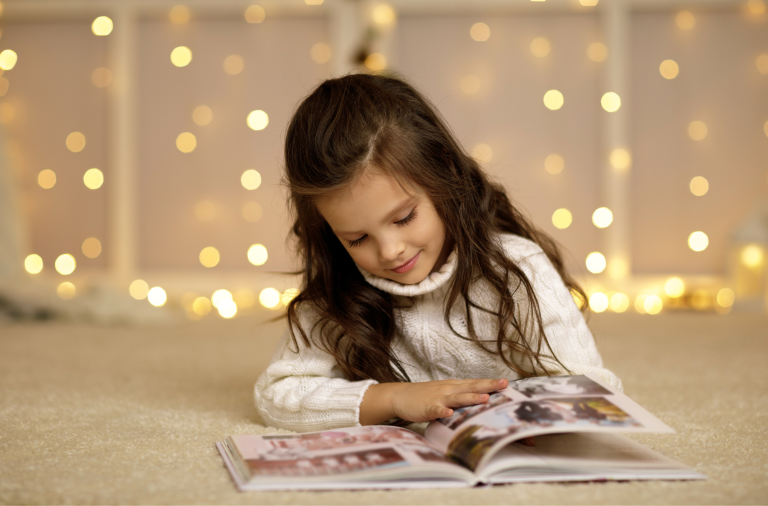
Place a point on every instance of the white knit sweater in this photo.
(305, 391)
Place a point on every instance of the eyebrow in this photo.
(394, 211)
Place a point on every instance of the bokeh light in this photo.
(674, 287)
(598, 302)
(554, 164)
(91, 247)
(75, 142)
(611, 101)
(726, 297)
(756, 7)
(251, 179)
(620, 159)
(101, 77)
(7, 113)
(8, 59)
(186, 142)
(761, 62)
(313, 2)
(257, 254)
(375, 62)
(227, 308)
(269, 298)
(482, 153)
(595, 262)
(66, 290)
(619, 303)
(602, 217)
(697, 130)
(553, 100)
(470, 84)
(102, 26)
(698, 241)
(320, 53)
(640, 303)
(219, 296)
(93, 179)
(233, 64)
(752, 256)
(179, 14)
(46, 179)
(202, 115)
(699, 186)
(255, 14)
(251, 212)
(480, 32)
(588, 3)
(597, 52)
(33, 264)
(205, 211)
(289, 295)
(65, 264)
(209, 257)
(669, 69)
(685, 20)
(540, 47)
(139, 289)
(562, 218)
(383, 15)
(652, 304)
(181, 56)
(257, 120)
(157, 296)
(201, 306)
(701, 299)
(618, 268)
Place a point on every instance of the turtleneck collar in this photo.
(429, 284)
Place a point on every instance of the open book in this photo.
(577, 421)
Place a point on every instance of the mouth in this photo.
(408, 265)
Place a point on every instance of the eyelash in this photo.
(400, 223)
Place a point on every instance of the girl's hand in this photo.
(422, 402)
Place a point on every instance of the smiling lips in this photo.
(408, 265)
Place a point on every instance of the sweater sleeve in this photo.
(306, 391)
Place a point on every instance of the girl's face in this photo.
(385, 230)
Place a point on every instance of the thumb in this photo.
(441, 412)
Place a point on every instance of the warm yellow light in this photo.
(595, 262)
(101, 77)
(186, 142)
(640, 303)
(251, 212)
(698, 241)
(205, 211)
(102, 26)
(244, 298)
(554, 164)
(257, 254)
(699, 186)
(701, 299)
(46, 179)
(540, 47)
(91, 247)
(269, 298)
(765, 128)
(577, 299)
(65, 264)
(652, 304)
(255, 14)
(33, 264)
(562, 218)
(227, 308)
(156, 296)
(201, 306)
(598, 302)
(75, 142)
(752, 256)
(66, 290)
(588, 3)
(470, 84)
(762, 63)
(8, 59)
(384, 15)
(674, 287)
(602, 217)
(482, 153)
(619, 302)
(553, 100)
(289, 295)
(376, 62)
(209, 257)
(139, 289)
(179, 14)
(257, 120)
(611, 101)
(202, 115)
(181, 56)
(697, 130)
(685, 20)
(320, 53)
(756, 7)
(669, 69)
(93, 179)
(726, 297)
(313, 2)
(480, 32)
(7, 113)
(251, 179)
(233, 64)
(220, 296)
(597, 52)
(620, 159)
(617, 268)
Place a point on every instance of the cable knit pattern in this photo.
(305, 391)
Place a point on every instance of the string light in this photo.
(181, 56)
(66, 290)
(65, 264)
(611, 101)
(674, 287)
(685, 20)
(157, 296)
(752, 256)
(588, 3)
(91, 247)
(470, 84)
(75, 142)
(186, 142)
(699, 186)
(179, 14)
(595, 262)
(139, 289)
(101, 77)
(93, 179)
(480, 32)
(375, 62)
(640, 303)
(726, 297)
(313, 2)
(619, 303)
(219, 297)
(320, 53)
(205, 211)
(602, 217)
(698, 241)
(251, 179)
(669, 69)
(620, 159)
(384, 15)
(553, 100)
(257, 120)
(255, 14)
(257, 254)
(652, 304)
(8, 59)
(762, 63)
(46, 179)
(482, 153)
(202, 115)
(201, 306)
(598, 302)
(251, 212)
(33, 264)
(697, 130)
(227, 308)
(269, 298)
(554, 164)
(540, 47)
(233, 64)
(289, 295)
(209, 257)
(597, 52)
(102, 26)
(562, 218)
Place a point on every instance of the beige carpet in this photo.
(111, 415)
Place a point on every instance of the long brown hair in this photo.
(349, 124)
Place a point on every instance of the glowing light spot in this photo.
(597, 52)
(540, 47)
(598, 302)
(588, 3)
(669, 69)
(384, 15)
(619, 302)
(726, 297)
(701, 299)
(375, 62)
(480, 32)
(139, 289)
(762, 63)
(752, 256)
(618, 268)
(685, 20)
(46, 179)
(602, 217)
(269, 298)
(674, 287)
(313, 2)
(699, 186)
(91, 247)
(186, 142)
(101, 77)
(4, 85)
(157, 296)
(8, 59)
(698, 241)
(765, 128)
(554, 164)
(257, 254)
(205, 211)
(553, 100)
(33, 264)
(470, 84)
(756, 7)
(93, 179)
(652, 304)
(255, 14)
(179, 14)
(562, 218)
(75, 142)
(640, 303)
(227, 308)
(65, 264)
(251, 212)
(611, 101)
(201, 306)
(697, 130)
(244, 298)
(102, 26)
(219, 296)
(181, 56)
(7, 113)
(202, 115)
(257, 120)
(620, 159)
(233, 64)
(482, 153)
(66, 290)
(251, 179)
(595, 262)
(209, 257)
(320, 53)
(289, 295)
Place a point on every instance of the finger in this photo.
(488, 385)
(441, 412)
(466, 399)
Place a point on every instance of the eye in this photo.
(407, 219)
(356, 242)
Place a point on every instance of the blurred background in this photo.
(142, 142)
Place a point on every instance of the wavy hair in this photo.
(359, 121)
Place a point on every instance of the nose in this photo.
(390, 248)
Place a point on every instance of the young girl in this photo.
(424, 289)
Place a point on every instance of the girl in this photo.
(423, 289)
